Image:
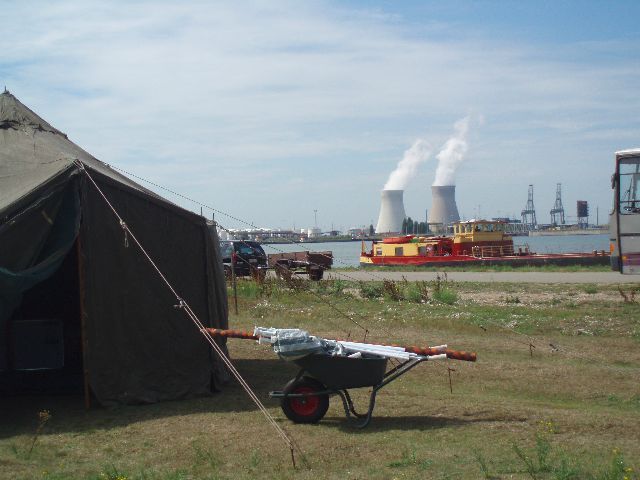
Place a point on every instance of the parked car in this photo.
(243, 256)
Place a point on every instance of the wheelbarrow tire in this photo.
(309, 409)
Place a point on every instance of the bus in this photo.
(624, 224)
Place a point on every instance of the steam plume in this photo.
(419, 152)
(452, 153)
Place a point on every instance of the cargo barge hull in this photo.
(559, 259)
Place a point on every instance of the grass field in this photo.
(555, 394)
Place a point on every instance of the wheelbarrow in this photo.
(332, 367)
(305, 398)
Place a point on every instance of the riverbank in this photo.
(564, 233)
(347, 253)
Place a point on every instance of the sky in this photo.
(279, 113)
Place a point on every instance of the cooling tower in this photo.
(443, 205)
(391, 212)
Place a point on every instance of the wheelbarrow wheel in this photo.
(309, 409)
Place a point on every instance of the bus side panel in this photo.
(630, 258)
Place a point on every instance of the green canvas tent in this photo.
(78, 301)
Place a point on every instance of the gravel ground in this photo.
(507, 277)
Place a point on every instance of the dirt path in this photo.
(508, 277)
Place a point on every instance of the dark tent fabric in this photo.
(137, 347)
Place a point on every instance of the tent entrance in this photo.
(44, 336)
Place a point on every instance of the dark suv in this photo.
(243, 256)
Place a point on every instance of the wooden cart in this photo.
(310, 263)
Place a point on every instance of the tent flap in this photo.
(33, 248)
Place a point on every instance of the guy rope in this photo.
(184, 306)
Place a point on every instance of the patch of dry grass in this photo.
(582, 378)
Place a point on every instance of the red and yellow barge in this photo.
(475, 242)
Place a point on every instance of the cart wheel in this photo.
(315, 274)
(305, 409)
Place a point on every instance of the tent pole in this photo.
(83, 329)
(235, 286)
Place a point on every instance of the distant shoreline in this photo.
(560, 233)
(276, 241)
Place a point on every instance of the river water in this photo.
(347, 254)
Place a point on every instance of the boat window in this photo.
(378, 251)
(468, 228)
(478, 228)
(490, 227)
(399, 251)
(422, 251)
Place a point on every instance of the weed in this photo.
(392, 291)
(247, 289)
(409, 458)
(441, 292)
(112, 473)
(254, 460)
(483, 466)
(528, 462)
(337, 286)
(566, 470)
(203, 456)
(543, 449)
(371, 290)
(628, 297)
(437, 283)
(446, 296)
(617, 468)
(43, 418)
(417, 292)
(590, 289)
(560, 466)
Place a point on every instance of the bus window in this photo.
(628, 188)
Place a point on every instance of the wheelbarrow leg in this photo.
(349, 408)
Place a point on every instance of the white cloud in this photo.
(260, 93)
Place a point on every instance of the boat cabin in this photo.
(405, 248)
(472, 239)
(481, 238)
